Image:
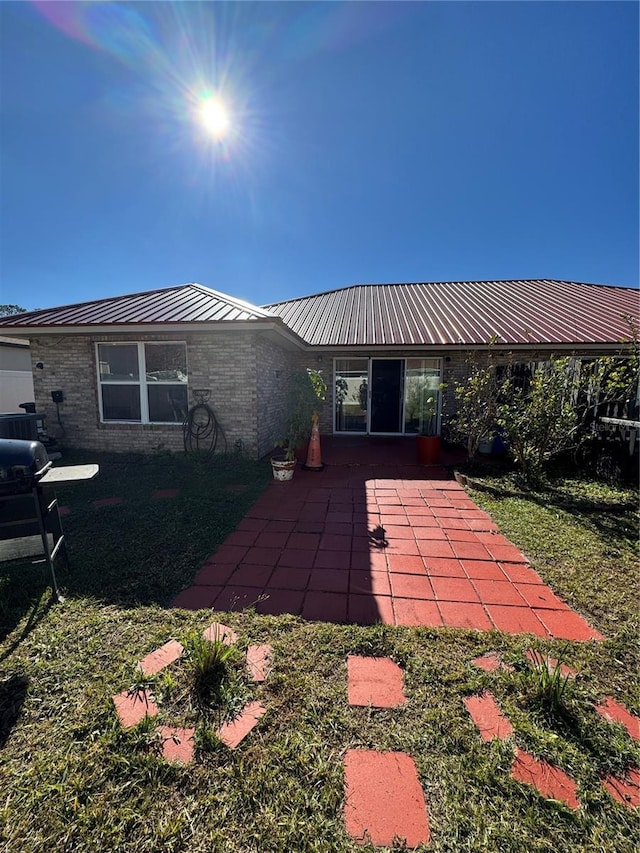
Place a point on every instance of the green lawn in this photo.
(72, 780)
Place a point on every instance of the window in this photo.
(143, 383)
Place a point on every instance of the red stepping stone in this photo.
(177, 744)
(491, 661)
(233, 733)
(217, 631)
(538, 658)
(132, 706)
(166, 654)
(159, 494)
(627, 790)
(107, 502)
(551, 782)
(617, 713)
(487, 716)
(259, 660)
(374, 681)
(383, 799)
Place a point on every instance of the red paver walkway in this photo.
(393, 543)
(383, 798)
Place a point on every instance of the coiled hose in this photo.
(201, 429)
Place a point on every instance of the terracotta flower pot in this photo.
(428, 447)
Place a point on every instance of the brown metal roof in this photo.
(538, 311)
(185, 303)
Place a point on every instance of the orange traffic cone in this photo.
(314, 456)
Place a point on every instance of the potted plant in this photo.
(307, 389)
(428, 440)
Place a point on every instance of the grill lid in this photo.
(22, 461)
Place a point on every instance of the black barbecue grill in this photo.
(26, 509)
(22, 465)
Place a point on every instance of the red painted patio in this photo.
(372, 538)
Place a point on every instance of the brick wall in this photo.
(273, 367)
(245, 371)
(222, 361)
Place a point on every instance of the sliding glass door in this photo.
(386, 396)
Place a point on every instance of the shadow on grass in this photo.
(24, 589)
(145, 549)
(13, 692)
(613, 520)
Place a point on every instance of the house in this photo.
(16, 381)
(126, 370)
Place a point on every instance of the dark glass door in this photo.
(387, 380)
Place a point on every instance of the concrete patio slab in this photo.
(380, 539)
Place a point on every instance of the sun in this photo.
(214, 117)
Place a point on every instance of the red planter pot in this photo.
(428, 447)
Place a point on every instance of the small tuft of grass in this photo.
(208, 664)
(546, 684)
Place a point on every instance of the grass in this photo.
(73, 780)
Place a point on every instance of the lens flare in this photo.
(214, 116)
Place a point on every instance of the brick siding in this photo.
(222, 361)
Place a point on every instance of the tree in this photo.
(476, 403)
(10, 310)
(556, 409)
(540, 419)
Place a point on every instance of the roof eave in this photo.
(586, 346)
(274, 325)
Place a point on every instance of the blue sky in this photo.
(367, 143)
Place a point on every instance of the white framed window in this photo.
(142, 382)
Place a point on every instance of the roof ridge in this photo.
(449, 281)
